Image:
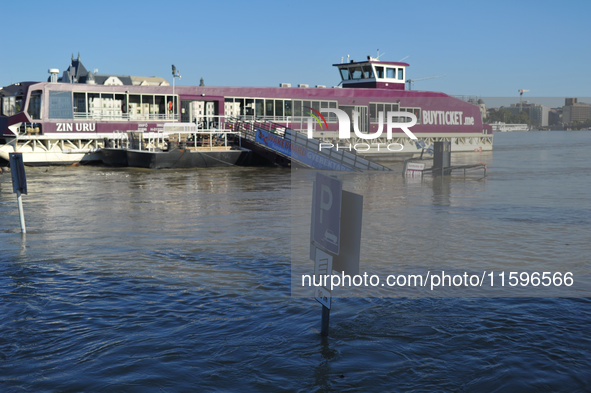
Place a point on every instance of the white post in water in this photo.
(21, 213)
(19, 184)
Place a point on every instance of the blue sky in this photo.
(488, 49)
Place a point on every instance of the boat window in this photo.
(401, 73)
(297, 108)
(332, 117)
(325, 105)
(417, 112)
(108, 102)
(93, 106)
(34, 109)
(147, 106)
(8, 106)
(316, 105)
(279, 108)
(391, 73)
(160, 102)
(379, 72)
(376, 107)
(121, 104)
(259, 105)
(240, 105)
(19, 103)
(79, 104)
(305, 106)
(269, 108)
(60, 105)
(367, 72)
(133, 105)
(249, 107)
(356, 73)
(172, 100)
(345, 75)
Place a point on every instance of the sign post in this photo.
(19, 184)
(325, 235)
(335, 237)
(322, 268)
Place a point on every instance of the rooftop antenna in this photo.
(369, 58)
(404, 58)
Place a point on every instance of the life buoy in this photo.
(123, 108)
(170, 105)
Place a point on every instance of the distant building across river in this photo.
(77, 73)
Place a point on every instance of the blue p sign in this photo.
(326, 213)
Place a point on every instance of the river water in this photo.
(135, 280)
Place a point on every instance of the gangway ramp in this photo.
(287, 147)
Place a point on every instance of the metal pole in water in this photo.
(19, 183)
(325, 320)
(21, 213)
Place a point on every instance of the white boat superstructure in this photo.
(504, 127)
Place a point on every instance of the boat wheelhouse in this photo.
(58, 122)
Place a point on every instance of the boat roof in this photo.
(373, 61)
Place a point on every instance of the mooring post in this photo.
(441, 158)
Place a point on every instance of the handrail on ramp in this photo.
(298, 149)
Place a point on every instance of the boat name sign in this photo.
(79, 127)
(447, 118)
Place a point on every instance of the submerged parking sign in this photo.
(326, 213)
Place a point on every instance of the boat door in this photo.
(363, 118)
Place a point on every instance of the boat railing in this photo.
(249, 127)
(119, 140)
(186, 135)
(290, 121)
(118, 115)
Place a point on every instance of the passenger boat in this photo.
(68, 120)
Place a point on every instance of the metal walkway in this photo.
(287, 147)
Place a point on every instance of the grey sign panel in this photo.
(326, 213)
(17, 168)
(351, 222)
